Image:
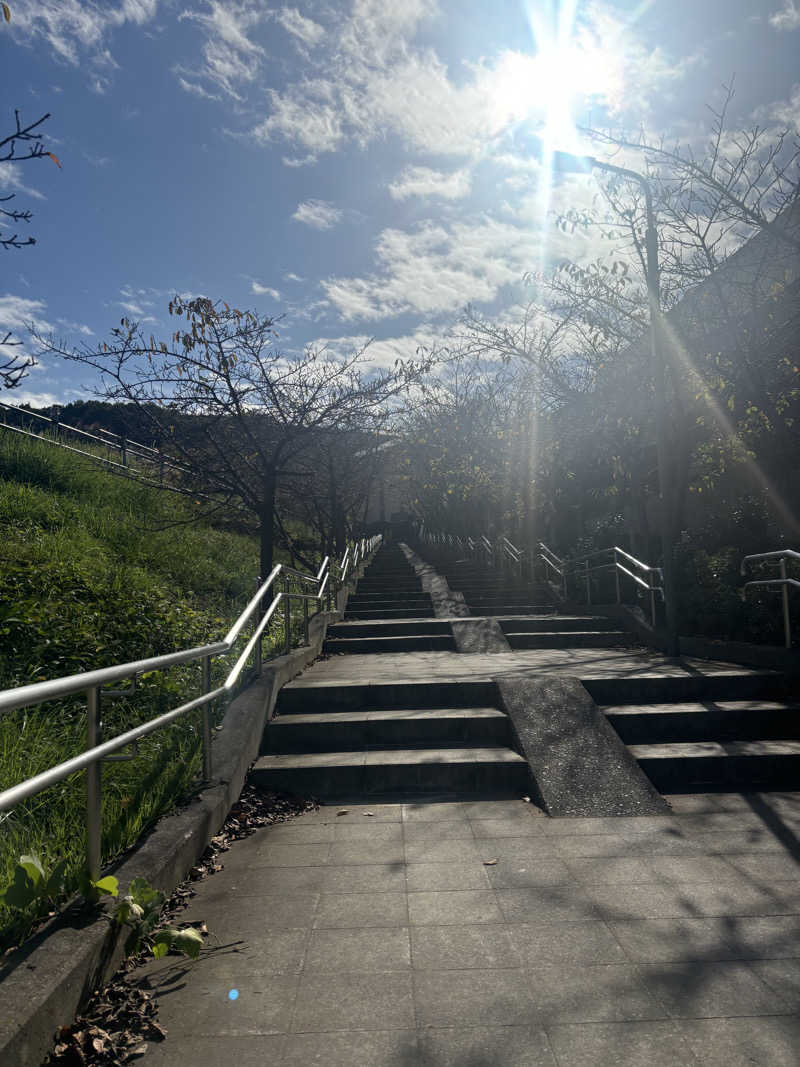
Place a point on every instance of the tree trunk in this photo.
(267, 522)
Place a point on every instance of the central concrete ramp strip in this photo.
(578, 763)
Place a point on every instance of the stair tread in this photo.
(698, 708)
(389, 715)
(694, 749)
(376, 757)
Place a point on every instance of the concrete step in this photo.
(420, 770)
(402, 643)
(571, 639)
(723, 720)
(495, 610)
(387, 728)
(389, 586)
(553, 623)
(423, 612)
(674, 688)
(388, 600)
(296, 698)
(388, 628)
(689, 766)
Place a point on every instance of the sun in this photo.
(568, 69)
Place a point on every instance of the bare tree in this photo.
(230, 408)
(25, 142)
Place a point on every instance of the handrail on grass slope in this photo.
(91, 682)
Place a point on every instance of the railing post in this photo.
(94, 802)
(787, 623)
(616, 577)
(287, 616)
(305, 621)
(259, 650)
(652, 600)
(207, 767)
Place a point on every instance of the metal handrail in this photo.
(91, 683)
(779, 556)
(653, 584)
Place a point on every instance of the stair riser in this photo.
(732, 772)
(393, 778)
(319, 699)
(392, 629)
(708, 726)
(368, 645)
(357, 603)
(555, 623)
(394, 613)
(494, 610)
(569, 640)
(691, 688)
(399, 733)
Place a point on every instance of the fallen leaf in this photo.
(368, 813)
(489, 863)
(527, 800)
(344, 811)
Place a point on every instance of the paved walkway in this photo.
(484, 934)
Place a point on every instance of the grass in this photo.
(95, 571)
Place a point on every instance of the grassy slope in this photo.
(91, 573)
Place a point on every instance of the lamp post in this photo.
(564, 162)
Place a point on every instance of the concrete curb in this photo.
(47, 981)
(447, 603)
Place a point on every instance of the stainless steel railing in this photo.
(622, 563)
(782, 581)
(328, 580)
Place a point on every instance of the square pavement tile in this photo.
(461, 947)
(344, 853)
(703, 990)
(565, 942)
(364, 878)
(360, 813)
(376, 949)
(642, 901)
(501, 1046)
(741, 898)
(675, 939)
(252, 915)
(526, 874)
(690, 869)
(298, 833)
(441, 851)
(339, 910)
(573, 993)
(608, 824)
(281, 879)
(460, 906)
(251, 1051)
(526, 849)
(763, 870)
(507, 827)
(771, 1041)
(349, 1048)
(353, 1002)
(432, 832)
(472, 998)
(632, 1044)
(609, 870)
(502, 809)
(553, 903)
(765, 937)
(782, 976)
(289, 855)
(427, 811)
(373, 833)
(437, 876)
(263, 1006)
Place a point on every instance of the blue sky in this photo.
(362, 168)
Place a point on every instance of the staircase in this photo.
(690, 734)
(564, 631)
(447, 737)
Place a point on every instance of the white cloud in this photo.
(304, 29)
(77, 28)
(264, 290)
(16, 312)
(290, 276)
(20, 396)
(422, 181)
(197, 90)
(318, 213)
(383, 352)
(788, 18)
(11, 181)
(230, 58)
(783, 113)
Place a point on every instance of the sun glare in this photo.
(566, 70)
